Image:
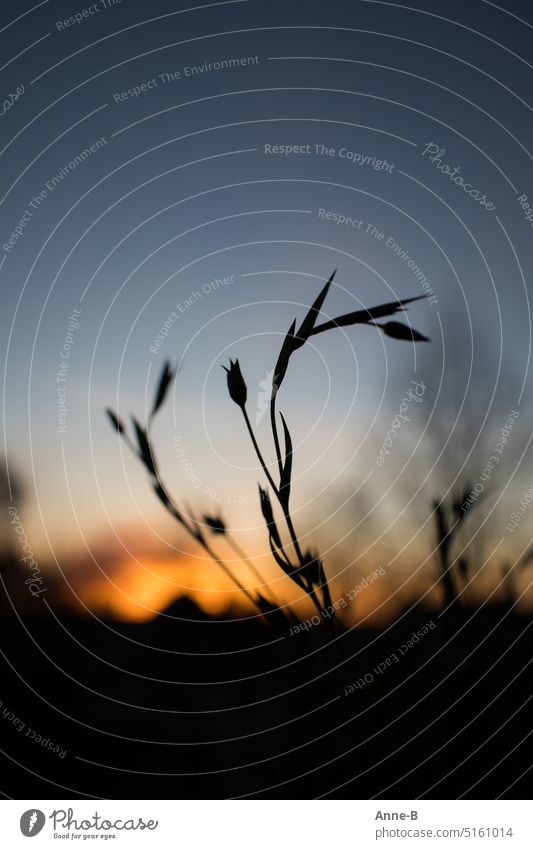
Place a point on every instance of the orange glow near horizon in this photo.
(138, 590)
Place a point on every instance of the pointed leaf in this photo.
(170, 506)
(145, 451)
(165, 380)
(215, 524)
(280, 368)
(396, 330)
(161, 494)
(365, 315)
(115, 421)
(307, 325)
(285, 478)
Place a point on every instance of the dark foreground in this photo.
(185, 709)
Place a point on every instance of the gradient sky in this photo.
(182, 194)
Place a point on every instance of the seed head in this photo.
(215, 524)
(236, 385)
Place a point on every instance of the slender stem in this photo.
(258, 452)
(253, 569)
(292, 532)
(284, 503)
(284, 506)
(227, 571)
(174, 511)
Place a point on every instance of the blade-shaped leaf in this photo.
(145, 452)
(396, 330)
(280, 368)
(365, 315)
(115, 421)
(285, 479)
(307, 325)
(170, 506)
(165, 380)
(215, 524)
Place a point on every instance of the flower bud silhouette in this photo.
(215, 524)
(236, 385)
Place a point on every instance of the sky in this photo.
(311, 137)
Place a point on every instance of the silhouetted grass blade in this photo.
(396, 330)
(115, 421)
(215, 524)
(165, 380)
(307, 325)
(285, 479)
(161, 494)
(144, 447)
(366, 315)
(282, 363)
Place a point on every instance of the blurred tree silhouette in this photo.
(11, 493)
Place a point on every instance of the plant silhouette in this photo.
(304, 567)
